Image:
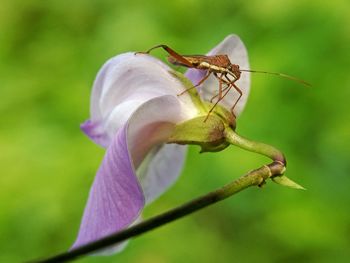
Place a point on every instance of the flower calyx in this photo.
(207, 132)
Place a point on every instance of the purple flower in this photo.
(134, 109)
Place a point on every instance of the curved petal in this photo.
(115, 198)
(96, 132)
(152, 123)
(160, 169)
(123, 84)
(236, 51)
(146, 135)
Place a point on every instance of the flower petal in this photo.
(123, 84)
(96, 132)
(152, 123)
(237, 53)
(160, 169)
(116, 198)
(149, 127)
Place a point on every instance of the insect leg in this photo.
(239, 91)
(216, 103)
(224, 89)
(220, 98)
(199, 83)
(172, 53)
(221, 80)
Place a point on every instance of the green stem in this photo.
(255, 177)
(257, 147)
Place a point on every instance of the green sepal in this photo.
(208, 134)
(211, 148)
(285, 181)
(225, 115)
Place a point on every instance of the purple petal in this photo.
(95, 132)
(236, 51)
(116, 198)
(195, 75)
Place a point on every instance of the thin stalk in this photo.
(257, 147)
(255, 177)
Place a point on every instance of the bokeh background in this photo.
(50, 52)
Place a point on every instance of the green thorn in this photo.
(285, 181)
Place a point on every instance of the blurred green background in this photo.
(50, 52)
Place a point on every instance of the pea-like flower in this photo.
(135, 109)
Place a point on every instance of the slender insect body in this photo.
(218, 65)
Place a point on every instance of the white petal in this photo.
(152, 123)
(160, 169)
(127, 81)
(146, 136)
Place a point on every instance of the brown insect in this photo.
(218, 65)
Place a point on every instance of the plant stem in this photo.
(255, 177)
(257, 147)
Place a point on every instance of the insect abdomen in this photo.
(212, 67)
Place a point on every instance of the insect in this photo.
(220, 66)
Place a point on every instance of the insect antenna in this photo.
(279, 74)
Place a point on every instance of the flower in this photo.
(134, 110)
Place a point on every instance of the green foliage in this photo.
(50, 52)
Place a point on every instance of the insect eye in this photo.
(234, 67)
